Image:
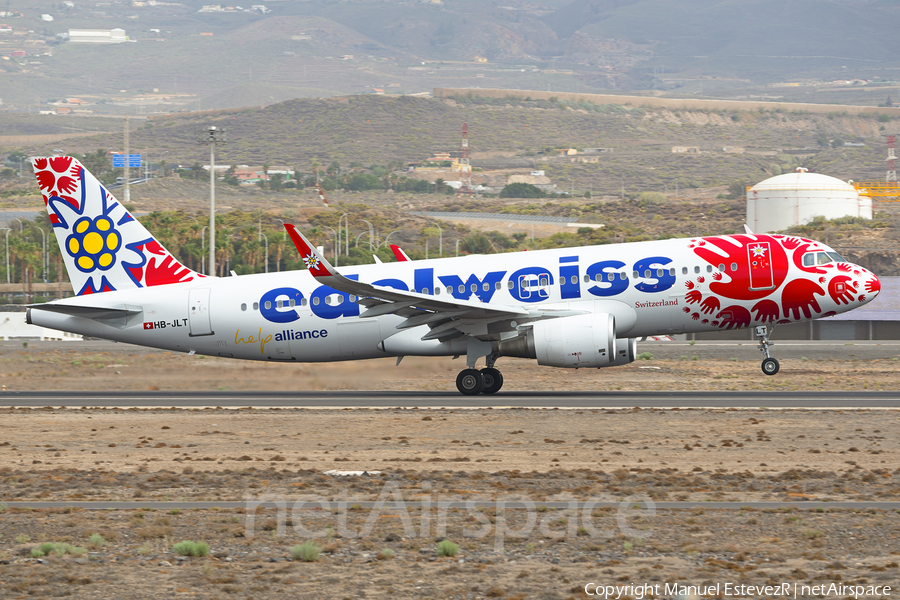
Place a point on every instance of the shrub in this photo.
(189, 548)
(307, 551)
(645, 356)
(447, 548)
(96, 540)
(386, 554)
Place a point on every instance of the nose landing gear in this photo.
(770, 365)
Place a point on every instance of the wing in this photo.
(447, 317)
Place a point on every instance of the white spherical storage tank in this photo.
(797, 198)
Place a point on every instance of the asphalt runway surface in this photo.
(382, 399)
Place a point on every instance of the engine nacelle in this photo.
(626, 351)
(578, 341)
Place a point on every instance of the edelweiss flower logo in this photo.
(93, 244)
(311, 260)
(758, 251)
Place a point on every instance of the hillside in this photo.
(378, 129)
(319, 48)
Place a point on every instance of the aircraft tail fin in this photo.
(315, 262)
(104, 247)
(399, 254)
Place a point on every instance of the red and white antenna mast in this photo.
(465, 169)
(891, 161)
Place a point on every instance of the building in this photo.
(13, 326)
(797, 198)
(685, 150)
(97, 36)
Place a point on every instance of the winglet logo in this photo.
(311, 261)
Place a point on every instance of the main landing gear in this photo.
(770, 365)
(472, 382)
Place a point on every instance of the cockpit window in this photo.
(818, 258)
(837, 257)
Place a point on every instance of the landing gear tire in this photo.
(770, 366)
(470, 382)
(493, 380)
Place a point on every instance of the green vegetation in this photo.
(521, 190)
(58, 549)
(189, 548)
(96, 540)
(447, 548)
(308, 551)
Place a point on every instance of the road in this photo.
(381, 399)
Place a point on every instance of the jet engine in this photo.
(587, 340)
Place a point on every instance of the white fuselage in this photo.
(289, 316)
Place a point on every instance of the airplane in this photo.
(582, 307)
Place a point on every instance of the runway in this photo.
(385, 400)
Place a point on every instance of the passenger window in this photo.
(474, 287)
(352, 298)
(574, 278)
(509, 284)
(268, 305)
(809, 259)
(696, 269)
(733, 267)
(292, 303)
(437, 291)
(612, 277)
(544, 281)
(659, 272)
(587, 278)
(684, 270)
(462, 289)
(303, 302)
(316, 301)
(256, 306)
(598, 277)
(449, 289)
(709, 268)
(485, 287)
(424, 290)
(279, 304)
(636, 275)
(244, 306)
(721, 268)
(623, 275)
(328, 300)
(647, 273)
(497, 286)
(672, 271)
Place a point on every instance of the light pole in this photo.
(20, 223)
(202, 246)
(44, 260)
(387, 237)
(211, 136)
(440, 238)
(266, 238)
(7, 229)
(283, 241)
(357, 239)
(371, 234)
(348, 234)
(336, 242)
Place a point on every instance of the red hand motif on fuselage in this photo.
(840, 290)
(734, 317)
(766, 311)
(737, 249)
(800, 296)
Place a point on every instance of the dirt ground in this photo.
(538, 455)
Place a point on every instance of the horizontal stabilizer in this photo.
(89, 312)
